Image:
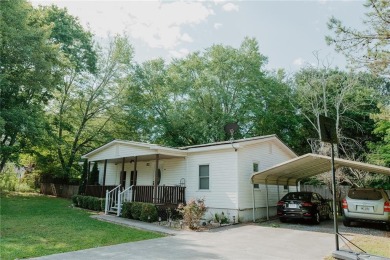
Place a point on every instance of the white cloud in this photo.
(217, 26)
(219, 1)
(298, 62)
(180, 53)
(186, 38)
(158, 24)
(230, 7)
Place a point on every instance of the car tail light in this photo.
(280, 203)
(345, 204)
(386, 207)
(306, 204)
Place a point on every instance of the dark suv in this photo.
(303, 205)
(366, 205)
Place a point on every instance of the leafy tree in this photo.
(28, 75)
(190, 100)
(380, 151)
(368, 47)
(74, 41)
(349, 98)
(83, 108)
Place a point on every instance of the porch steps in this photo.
(113, 210)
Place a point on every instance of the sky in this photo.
(288, 32)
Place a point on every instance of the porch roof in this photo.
(147, 151)
(143, 151)
(308, 165)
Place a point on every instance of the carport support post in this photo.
(266, 188)
(254, 204)
(336, 231)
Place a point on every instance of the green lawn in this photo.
(33, 225)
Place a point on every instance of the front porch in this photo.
(143, 193)
(115, 195)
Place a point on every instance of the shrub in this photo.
(136, 209)
(148, 212)
(84, 202)
(99, 204)
(192, 212)
(221, 218)
(88, 202)
(126, 210)
(8, 179)
(91, 202)
(75, 200)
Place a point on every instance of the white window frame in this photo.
(206, 164)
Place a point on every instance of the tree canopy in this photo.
(63, 94)
(369, 47)
(28, 74)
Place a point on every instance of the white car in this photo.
(366, 205)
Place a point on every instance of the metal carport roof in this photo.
(292, 171)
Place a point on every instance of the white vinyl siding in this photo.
(258, 153)
(222, 192)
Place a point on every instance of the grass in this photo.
(374, 245)
(33, 225)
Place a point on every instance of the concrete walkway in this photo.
(233, 242)
(137, 224)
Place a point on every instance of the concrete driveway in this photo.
(235, 242)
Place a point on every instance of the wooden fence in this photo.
(98, 190)
(325, 192)
(59, 190)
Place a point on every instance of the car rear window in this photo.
(365, 194)
(297, 196)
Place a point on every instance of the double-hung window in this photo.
(204, 177)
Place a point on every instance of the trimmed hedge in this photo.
(126, 210)
(149, 213)
(141, 211)
(136, 209)
(88, 202)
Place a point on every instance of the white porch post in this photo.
(155, 181)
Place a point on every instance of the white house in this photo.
(218, 172)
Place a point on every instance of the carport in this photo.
(308, 165)
(292, 171)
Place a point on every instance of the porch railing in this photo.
(143, 193)
(165, 194)
(112, 199)
(124, 196)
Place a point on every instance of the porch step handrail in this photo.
(111, 199)
(124, 196)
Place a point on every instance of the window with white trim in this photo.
(204, 177)
(255, 169)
